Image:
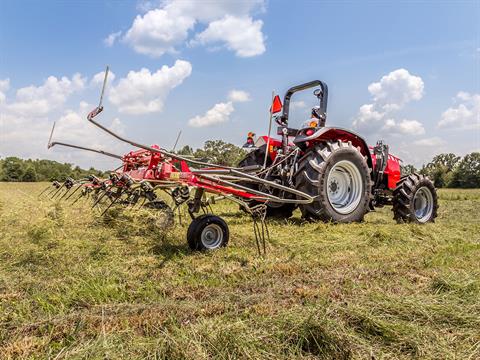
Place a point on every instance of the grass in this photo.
(73, 286)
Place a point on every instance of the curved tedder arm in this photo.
(53, 143)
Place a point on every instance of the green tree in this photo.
(440, 169)
(407, 169)
(186, 150)
(16, 169)
(220, 152)
(12, 169)
(446, 160)
(30, 175)
(467, 172)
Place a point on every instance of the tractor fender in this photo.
(333, 133)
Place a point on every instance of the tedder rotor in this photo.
(330, 173)
(152, 168)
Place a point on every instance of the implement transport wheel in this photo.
(274, 210)
(415, 200)
(207, 232)
(337, 175)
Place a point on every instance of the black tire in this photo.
(215, 236)
(411, 192)
(274, 210)
(313, 173)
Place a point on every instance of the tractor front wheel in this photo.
(337, 175)
(415, 200)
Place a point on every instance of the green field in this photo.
(75, 286)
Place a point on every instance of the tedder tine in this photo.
(51, 192)
(56, 192)
(44, 190)
(61, 193)
(110, 205)
(105, 192)
(74, 191)
(66, 192)
(98, 199)
(78, 198)
(69, 182)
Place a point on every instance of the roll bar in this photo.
(322, 97)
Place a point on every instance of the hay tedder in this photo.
(330, 173)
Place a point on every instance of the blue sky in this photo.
(406, 72)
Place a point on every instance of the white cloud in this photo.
(300, 104)
(98, 78)
(24, 119)
(147, 5)
(158, 32)
(4, 86)
(391, 94)
(220, 113)
(27, 117)
(242, 35)
(466, 115)
(27, 137)
(40, 100)
(163, 29)
(368, 118)
(207, 11)
(430, 142)
(110, 39)
(404, 127)
(143, 92)
(396, 89)
(238, 96)
(73, 127)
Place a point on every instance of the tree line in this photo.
(445, 170)
(451, 171)
(215, 152)
(16, 169)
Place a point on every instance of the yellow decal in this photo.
(175, 175)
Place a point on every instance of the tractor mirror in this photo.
(276, 105)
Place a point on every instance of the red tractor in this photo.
(346, 177)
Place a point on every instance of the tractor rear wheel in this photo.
(415, 200)
(274, 210)
(337, 175)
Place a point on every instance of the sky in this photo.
(402, 71)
